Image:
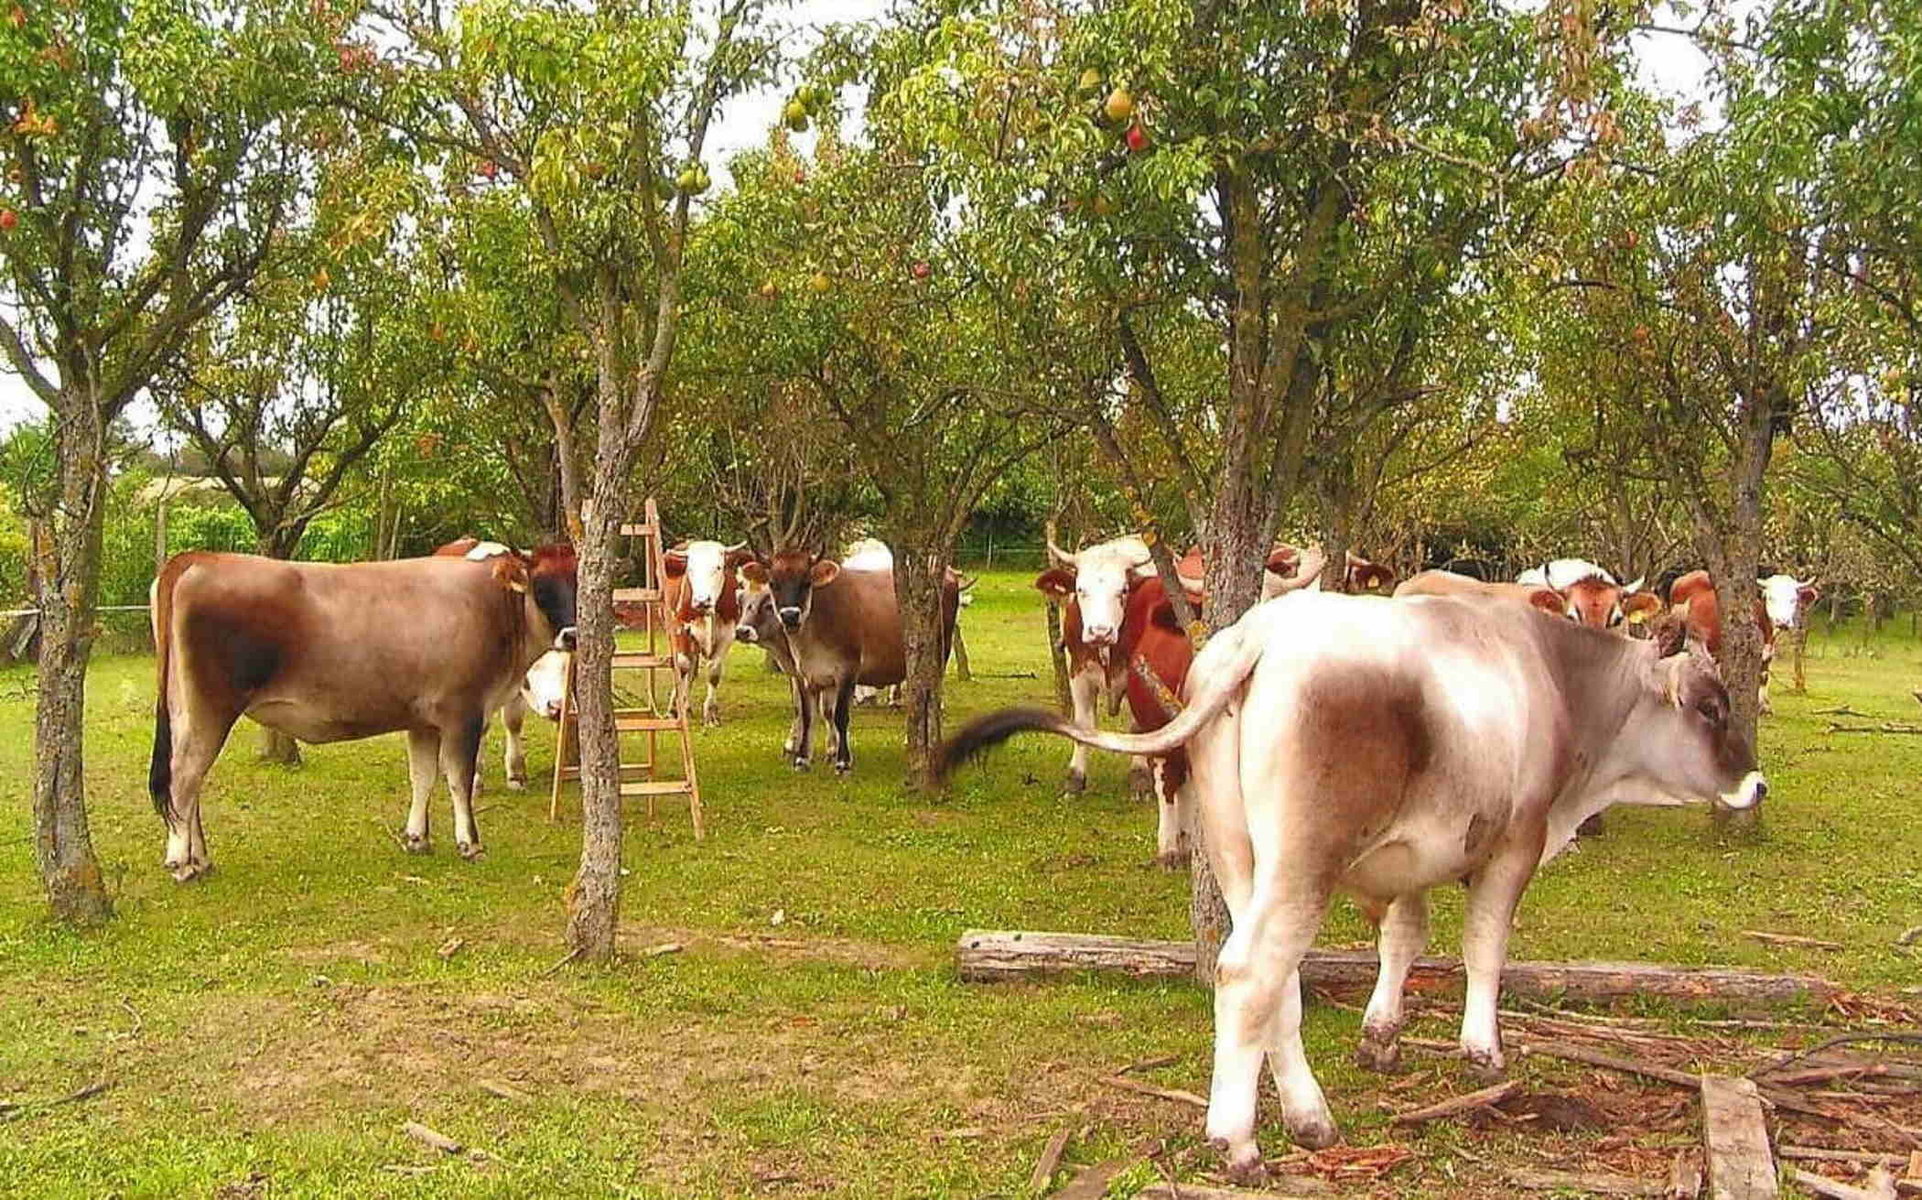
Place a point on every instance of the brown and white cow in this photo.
(702, 597)
(1591, 596)
(1788, 600)
(1093, 585)
(830, 628)
(1382, 748)
(1283, 572)
(1692, 597)
(328, 652)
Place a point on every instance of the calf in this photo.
(836, 628)
(327, 652)
(702, 597)
(1381, 748)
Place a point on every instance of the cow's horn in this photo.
(1632, 588)
(1061, 557)
(1311, 562)
(1194, 587)
(736, 548)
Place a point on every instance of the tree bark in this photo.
(918, 579)
(62, 842)
(594, 898)
(1732, 548)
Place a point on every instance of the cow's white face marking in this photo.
(545, 682)
(1749, 793)
(1101, 578)
(483, 551)
(1782, 594)
(706, 575)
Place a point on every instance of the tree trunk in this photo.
(918, 576)
(594, 898)
(1732, 548)
(1058, 659)
(62, 843)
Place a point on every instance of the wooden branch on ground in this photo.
(1601, 1183)
(1487, 1097)
(1883, 727)
(992, 956)
(1595, 1058)
(1821, 1154)
(1050, 1160)
(1169, 1190)
(1822, 1185)
(431, 1137)
(1685, 1175)
(1740, 1166)
(1149, 1089)
(1790, 939)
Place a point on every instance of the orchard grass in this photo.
(270, 1029)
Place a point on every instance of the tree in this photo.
(150, 155)
(591, 122)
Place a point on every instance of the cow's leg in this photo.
(194, 749)
(423, 764)
(459, 751)
(513, 714)
(1257, 1016)
(808, 703)
(1171, 834)
(684, 668)
(843, 710)
(1493, 893)
(1084, 689)
(1141, 779)
(711, 711)
(797, 729)
(1404, 933)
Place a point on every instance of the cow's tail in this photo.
(1219, 672)
(160, 771)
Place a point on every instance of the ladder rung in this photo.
(637, 660)
(628, 772)
(655, 787)
(639, 724)
(641, 530)
(636, 595)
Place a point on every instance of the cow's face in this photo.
(1098, 578)
(551, 572)
(1364, 576)
(759, 625)
(790, 578)
(546, 683)
(1691, 750)
(1787, 598)
(1593, 602)
(708, 568)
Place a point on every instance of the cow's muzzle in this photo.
(791, 617)
(565, 639)
(1099, 635)
(1748, 793)
(745, 633)
(702, 607)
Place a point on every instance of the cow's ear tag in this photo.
(511, 573)
(1638, 617)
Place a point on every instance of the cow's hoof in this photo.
(417, 844)
(842, 768)
(189, 871)
(471, 851)
(1075, 784)
(710, 720)
(1487, 1065)
(1243, 1165)
(514, 785)
(1381, 1057)
(1315, 1132)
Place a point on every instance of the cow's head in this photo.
(759, 625)
(1787, 599)
(552, 573)
(1598, 602)
(708, 568)
(1686, 746)
(546, 683)
(1099, 578)
(790, 577)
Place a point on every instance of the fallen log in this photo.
(997, 956)
(1570, 1052)
(1050, 1160)
(1601, 1183)
(1740, 1166)
(1822, 1185)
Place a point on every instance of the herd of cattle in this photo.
(1325, 742)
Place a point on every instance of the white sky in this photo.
(1666, 62)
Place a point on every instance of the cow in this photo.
(328, 652)
(1284, 565)
(1591, 596)
(1692, 597)
(1448, 583)
(1093, 584)
(836, 628)
(701, 594)
(542, 690)
(1383, 747)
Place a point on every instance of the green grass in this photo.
(281, 1019)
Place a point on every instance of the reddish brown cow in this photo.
(1693, 598)
(702, 596)
(328, 652)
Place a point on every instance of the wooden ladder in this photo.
(638, 778)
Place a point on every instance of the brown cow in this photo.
(1692, 597)
(702, 597)
(1383, 748)
(329, 652)
(834, 628)
(1591, 595)
(1448, 583)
